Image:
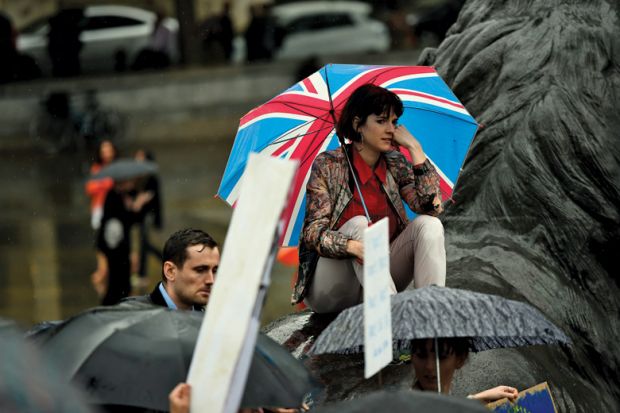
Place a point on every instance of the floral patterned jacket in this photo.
(328, 193)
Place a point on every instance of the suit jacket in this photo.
(329, 191)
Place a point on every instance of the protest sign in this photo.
(377, 310)
(227, 337)
(536, 399)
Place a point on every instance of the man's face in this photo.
(191, 284)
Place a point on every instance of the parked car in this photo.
(320, 28)
(108, 32)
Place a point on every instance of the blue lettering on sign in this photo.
(537, 401)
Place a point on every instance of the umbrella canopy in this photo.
(405, 401)
(28, 382)
(489, 320)
(135, 355)
(122, 169)
(299, 124)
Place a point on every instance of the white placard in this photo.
(377, 310)
(218, 371)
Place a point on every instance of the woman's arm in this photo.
(496, 393)
(319, 209)
(419, 183)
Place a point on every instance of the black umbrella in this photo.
(405, 401)
(430, 312)
(122, 169)
(135, 355)
(28, 382)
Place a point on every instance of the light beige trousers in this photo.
(418, 254)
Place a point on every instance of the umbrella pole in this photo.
(437, 366)
(357, 185)
(332, 112)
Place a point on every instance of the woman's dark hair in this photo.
(453, 345)
(366, 100)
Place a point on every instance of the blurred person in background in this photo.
(121, 210)
(260, 37)
(149, 216)
(226, 31)
(64, 44)
(158, 53)
(97, 189)
(14, 66)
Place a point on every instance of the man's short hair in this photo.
(175, 249)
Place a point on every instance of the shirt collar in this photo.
(365, 172)
(167, 298)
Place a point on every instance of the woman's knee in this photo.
(355, 226)
(428, 227)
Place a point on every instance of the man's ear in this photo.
(170, 271)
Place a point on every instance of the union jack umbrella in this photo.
(299, 124)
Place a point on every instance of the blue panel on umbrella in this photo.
(446, 143)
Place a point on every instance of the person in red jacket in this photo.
(97, 189)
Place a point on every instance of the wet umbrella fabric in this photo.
(299, 124)
(126, 169)
(490, 321)
(29, 382)
(404, 401)
(134, 356)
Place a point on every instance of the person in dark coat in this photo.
(64, 44)
(226, 32)
(191, 258)
(151, 214)
(260, 35)
(120, 211)
(15, 66)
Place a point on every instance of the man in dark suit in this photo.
(190, 261)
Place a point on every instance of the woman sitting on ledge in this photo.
(331, 246)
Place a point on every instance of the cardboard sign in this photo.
(536, 399)
(377, 309)
(228, 333)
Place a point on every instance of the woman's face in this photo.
(378, 131)
(423, 362)
(106, 152)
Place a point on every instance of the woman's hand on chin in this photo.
(404, 138)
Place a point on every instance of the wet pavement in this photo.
(46, 243)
